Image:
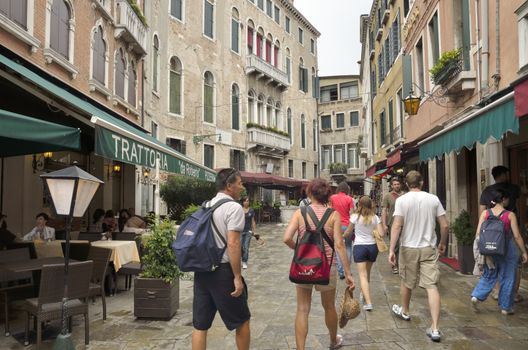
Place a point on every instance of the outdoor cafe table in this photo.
(123, 252)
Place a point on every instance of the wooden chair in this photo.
(101, 259)
(14, 284)
(48, 305)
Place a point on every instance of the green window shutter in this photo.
(407, 76)
(305, 80)
(232, 159)
(300, 78)
(235, 105)
(303, 134)
(242, 161)
(391, 126)
(208, 104)
(234, 35)
(290, 128)
(382, 128)
(175, 93)
(466, 44)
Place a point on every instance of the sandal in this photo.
(398, 311)
(338, 344)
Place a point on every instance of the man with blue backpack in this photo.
(222, 288)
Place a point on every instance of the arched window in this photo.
(276, 54)
(315, 88)
(269, 112)
(155, 63)
(60, 27)
(277, 121)
(251, 106)
(303, 76)
(260, 42)
(120, 69)
(208, 97)
(269, 41)
(132, 83)
(175, 90)
(289, 116)
(250, 36)
(99, 56)
(235, 25)
(260, 109)
(303, 131)
(288, 64)
(314, 133)
(235, 107)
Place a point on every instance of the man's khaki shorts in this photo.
(322, 287)
(419, 265)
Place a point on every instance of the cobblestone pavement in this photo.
(272, 303)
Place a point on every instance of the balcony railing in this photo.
(130, 27)
(454, 79)
(268, 140)
(448, 72)
(255, 64)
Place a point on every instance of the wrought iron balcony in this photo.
(265, 70)
(267, 141)
(130, 28)
(453, 78)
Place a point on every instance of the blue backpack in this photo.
(195, 246)
(492, 236)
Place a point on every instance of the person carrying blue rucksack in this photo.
(223, 289)
(502, 263)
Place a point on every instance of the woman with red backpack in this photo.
(319, 193)
(503, 266)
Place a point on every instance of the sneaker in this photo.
(507, 312)
(397, 310)
(338, 344)
(368, 307)
(434, 334)
(244, 265)
(395, 270)
(474, 303)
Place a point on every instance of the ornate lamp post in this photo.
(72, 190)
(412, 104)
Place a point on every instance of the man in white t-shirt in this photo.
(417, 212)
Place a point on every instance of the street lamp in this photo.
(412, 104)
(71, 190)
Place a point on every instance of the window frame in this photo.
(287, 24)
(180, 97)
(338, 115)
(351, 119)
(51, 54)
(213, 32)
(212, 86)
(182, 11)
(234, 87)
(235, 22)
(522, 28)
(300, 34)
(323, 118)
(212, 147)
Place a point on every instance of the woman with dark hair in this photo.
(97, 220)
(365, 252)
(124, 215)
(319, 193)
(109, 222)
(41, 231)
(500, 267)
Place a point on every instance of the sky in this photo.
(338, 21)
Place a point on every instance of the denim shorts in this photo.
(212, 293)
(364, 253)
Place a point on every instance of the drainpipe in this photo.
(143, 79)
(497, 76)
(484, 10)
(479, 50)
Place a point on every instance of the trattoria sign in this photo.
(121, 148)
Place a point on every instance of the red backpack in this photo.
(310, 265)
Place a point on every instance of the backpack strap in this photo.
(318, 223)
(213, 208)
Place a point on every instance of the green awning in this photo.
(20, 134)
(380, 172)
(492, 121)
(108, 146)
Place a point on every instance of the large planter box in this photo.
(287, 213)
(154, 298)
(466, 260)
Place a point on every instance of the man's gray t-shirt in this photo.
(228, 217)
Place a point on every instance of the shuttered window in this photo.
(303, 79)
(132, 81)
(176, 8)
(234, 34)
(120, 69)
(235, 107)
(340, 120)
(382, 128)
(433, 38)
(15, 10)
(326, 122)
(155, 63)
(237, 160)
(354, 118)
(391, 122)
(209, 156)
(208, 18)
(290, 126)
(388, 55)
(208, 97)
(175, 86)
(59, 27)
(250, 40)
(99, 53)
(381, 73)
(177, 145)
(396, 40)
(303, 132)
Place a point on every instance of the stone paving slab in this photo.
(272, 303)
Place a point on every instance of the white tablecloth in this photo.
(123, 252)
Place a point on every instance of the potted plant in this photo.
(157, 289)
(465, 235)
(447, 66)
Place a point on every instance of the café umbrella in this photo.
(71, 190)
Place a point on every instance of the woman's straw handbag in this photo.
(382, 247)
(349, 308)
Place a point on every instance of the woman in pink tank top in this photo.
(319, 193)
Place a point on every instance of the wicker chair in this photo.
(48, 305)
(101, 259)
(78, 250)
(132, 268)
(13, 284)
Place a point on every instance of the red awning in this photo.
(521, 99)
(270, 181)
(394, 158)
(370, 171)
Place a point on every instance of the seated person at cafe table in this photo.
(41, 231)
